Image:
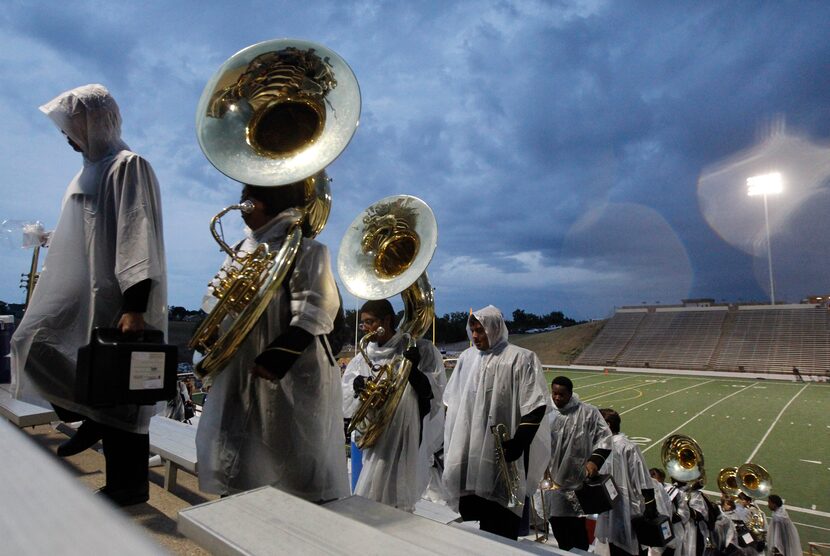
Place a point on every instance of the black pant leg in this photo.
(570, 532)
(492, 516)
(126, 455)
(67, 416)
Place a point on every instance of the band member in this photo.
(782, 537)
(273, 415)
(493, 383)
(665, 506)
(681, 516)
(105, 268)
(581, 440)
(396, 468)
(635, 490)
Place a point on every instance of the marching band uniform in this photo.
(578, 433)
(782, 536)
(501, 384)
(287, 433)
(635, 495)
(396, 468)
(681, 518)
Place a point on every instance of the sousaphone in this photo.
(385, 252)
(274, 114)
(682, 459)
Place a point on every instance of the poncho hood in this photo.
(493, 322)
(90, 117)
(570, 407)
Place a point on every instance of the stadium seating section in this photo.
(752, 338)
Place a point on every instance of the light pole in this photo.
(766, 184)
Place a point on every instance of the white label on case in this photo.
(146, 370)
(665, 528)
(612, 492)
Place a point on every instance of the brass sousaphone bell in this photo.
(728, 482)
(275, 113)
(384, 252)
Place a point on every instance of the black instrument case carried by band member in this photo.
(117, 369)
(654, 531)
(597, 494)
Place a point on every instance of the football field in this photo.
(783, 426)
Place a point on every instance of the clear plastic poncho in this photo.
(288, 433)
(626, 465)
(576, 431)
(486, 388)
(396, 469)
(108, 238)
(782, 534)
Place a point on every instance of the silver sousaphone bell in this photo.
(277, 112)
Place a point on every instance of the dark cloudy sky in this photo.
(578, 155)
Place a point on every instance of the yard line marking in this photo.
(670, 394)
(612, 392)
(811, 526)
(769, 430)
(698, 414)
(810, 461)
(606, 382)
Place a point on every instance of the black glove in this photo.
(761, 545)
(359, 385)
(283, 352)
(413, 355)
(651, 503)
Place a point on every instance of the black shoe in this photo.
(125, 497)
(85, 437)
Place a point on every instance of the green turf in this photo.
(729, 419)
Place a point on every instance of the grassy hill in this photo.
(559, 347)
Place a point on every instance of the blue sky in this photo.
(578, 155)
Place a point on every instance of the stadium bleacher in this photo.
(752, 338)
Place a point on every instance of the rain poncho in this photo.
(486, 388)
(576, 431)
(108, 238)
(664, 507)
(677, 496)
(396, 469)
(287, 433)
(625, 463)
(782, 534)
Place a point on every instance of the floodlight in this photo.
(766, 184)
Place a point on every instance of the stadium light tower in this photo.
(766, 184)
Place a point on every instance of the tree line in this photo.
(449, 328)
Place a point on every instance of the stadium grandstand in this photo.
(703, 335)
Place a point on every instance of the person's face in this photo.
(743, 502)
(728, 505)
(480, 339)
(370, 323)
(72, 143)
(656, 476)
(560, 394)
(257, 218)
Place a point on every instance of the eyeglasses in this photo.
(368, 323)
